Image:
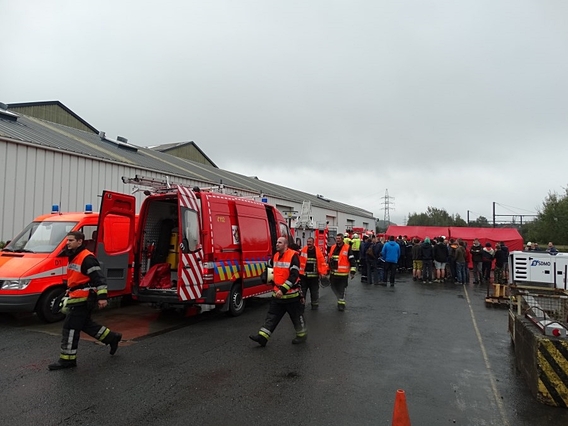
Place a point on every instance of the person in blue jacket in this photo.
(391, 254)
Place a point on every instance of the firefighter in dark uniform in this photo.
(312, 266)
(342, 265)
(286, 297)
(86, 288)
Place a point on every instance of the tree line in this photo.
(550, 224)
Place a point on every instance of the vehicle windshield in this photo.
(40, 237)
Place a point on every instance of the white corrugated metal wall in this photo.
(33, 178)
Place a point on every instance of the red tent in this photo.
(510, 236)
(418, 231)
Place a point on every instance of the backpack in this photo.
(370, 253)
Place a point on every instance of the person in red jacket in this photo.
(286, 296)
(86, 288)
(312, 267)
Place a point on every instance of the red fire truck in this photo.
(193, 246)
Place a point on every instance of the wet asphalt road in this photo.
(439, 343)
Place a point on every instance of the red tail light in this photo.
(208, 268)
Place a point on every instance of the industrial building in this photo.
(51, 156)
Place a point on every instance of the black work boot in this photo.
(261, 340)
(62, 364)
(297, 340)
(114, 344)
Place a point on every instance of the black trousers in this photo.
(486, 270)
(453, 269)
(390, 271)
(276, 311)
(311, 284)
(339, 285)
(77, 320)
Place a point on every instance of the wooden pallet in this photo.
(504, 302)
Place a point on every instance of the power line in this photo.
(512, 207)
(476, 213)
(511, 216)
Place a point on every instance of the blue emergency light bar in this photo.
(88, 208)
(54, 209)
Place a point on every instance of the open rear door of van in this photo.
(255, 241)
(190, 267)
(115, 239)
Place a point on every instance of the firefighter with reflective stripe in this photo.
(86, 287)
(286, 297)
(342, 265)
(312, 266)
(356, 247)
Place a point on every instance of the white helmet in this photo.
(269, 275)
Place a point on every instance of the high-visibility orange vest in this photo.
(75, 279)
(316, 266)
(281, 271)
(343, 265)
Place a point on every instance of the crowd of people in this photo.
(432, 260)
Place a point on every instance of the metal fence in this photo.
(546, 308)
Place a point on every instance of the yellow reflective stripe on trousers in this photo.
(68, 357)
(287, 295)
(73, 300)
(102, 336)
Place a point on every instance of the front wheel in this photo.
(236, 301)
(45, 303)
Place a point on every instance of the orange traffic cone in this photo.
(400, 415)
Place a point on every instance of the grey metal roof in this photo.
(16, 106)
(168, 146)
(57, 136)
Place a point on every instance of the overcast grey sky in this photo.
(450, 104)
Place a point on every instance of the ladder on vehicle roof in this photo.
(305, 219)
(165, 185)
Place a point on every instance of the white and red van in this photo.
(33, 268)
(209, 248)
